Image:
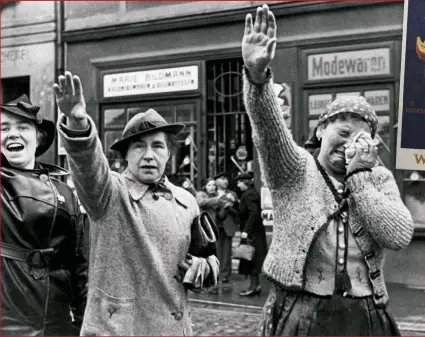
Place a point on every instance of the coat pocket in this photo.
(109, 316)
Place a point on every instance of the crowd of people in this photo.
(335, 211)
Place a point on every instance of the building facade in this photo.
(183, 59)
(29, 55)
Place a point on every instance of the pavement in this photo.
(228, 314)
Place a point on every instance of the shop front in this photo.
(192, 74)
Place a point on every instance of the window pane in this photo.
(115, 117)
(185, 113)
(184, 162)
(116, 163)
(383, 135)
(134, 111)
(414, 195)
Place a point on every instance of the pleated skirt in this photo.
(296, 313)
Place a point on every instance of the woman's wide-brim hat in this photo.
(144, 123)
(23, 107)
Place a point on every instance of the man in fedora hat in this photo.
(44, 270)
(140, 223)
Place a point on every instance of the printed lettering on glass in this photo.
(350, 64)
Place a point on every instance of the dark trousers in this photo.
(225, 254)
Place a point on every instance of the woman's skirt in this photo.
(296, 313)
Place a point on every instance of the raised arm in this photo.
(280, 157)
(87, 162)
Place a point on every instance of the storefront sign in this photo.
(350, 64)
(317, 103)
(347, 94)
(378, 99)
(151, 81)
(14, 55)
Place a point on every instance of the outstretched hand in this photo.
(70, 100)
(259, 43)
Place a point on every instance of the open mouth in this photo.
(15, 147)
(148, 167)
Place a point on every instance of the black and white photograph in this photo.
(207, 168)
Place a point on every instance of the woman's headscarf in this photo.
(355, 104)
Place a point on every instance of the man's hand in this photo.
(70, 99)
(259, 43)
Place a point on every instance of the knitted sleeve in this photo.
(280, 158)
(375, 199)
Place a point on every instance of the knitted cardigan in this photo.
(302, 201)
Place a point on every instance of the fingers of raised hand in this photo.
(271, 25)
(248, 25)
(264, 19)
(69, 84)
(258, 20)
(77, 85)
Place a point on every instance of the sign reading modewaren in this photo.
(151, 81)
(349, 64)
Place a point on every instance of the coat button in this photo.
(44, 178)
(178, 315)
(167, 196)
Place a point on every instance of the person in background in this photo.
(140, 223)
(230, 224)
(43, 266)
(335, 209)
(209, 201)
(252, 231)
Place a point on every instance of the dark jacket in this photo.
(231, 220)
(252, 224)
(44, 271)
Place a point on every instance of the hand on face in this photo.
(362, 152)
(259, 43)
(70, 99)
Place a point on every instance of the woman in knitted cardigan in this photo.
(335, 211)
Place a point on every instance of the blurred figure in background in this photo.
(252, 231)
(229, 226)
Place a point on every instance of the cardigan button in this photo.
(44, 178)
(341, 261)
(341, 245)
(178, 315)
(167, 196)
(340, 229)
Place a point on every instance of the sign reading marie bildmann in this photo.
(349, 64)
(152, 81)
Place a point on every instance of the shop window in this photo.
(13, 87)
(184, 163)
(230, 147)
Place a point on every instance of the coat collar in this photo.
(52, 169)
(138, 189)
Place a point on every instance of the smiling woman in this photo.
(42, 231)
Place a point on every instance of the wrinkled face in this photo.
(211, 187)
(147, 157)
(222, 182)
(334, 136)
(18, 140)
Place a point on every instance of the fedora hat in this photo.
(23, 107)
(143, 123)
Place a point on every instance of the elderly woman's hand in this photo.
(259, 43)
(362, 153)
(70, 99)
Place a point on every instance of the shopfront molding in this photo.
(117, 24)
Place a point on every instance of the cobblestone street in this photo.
(217, 322)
